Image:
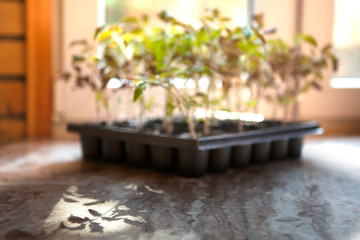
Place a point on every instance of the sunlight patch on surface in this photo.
(40, 161)
(131, 186)
(154, 190)
(335, 155)
(356, 236)
(75, 213)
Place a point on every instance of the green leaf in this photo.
(170, 107)
(199, 120)
(306, 87)
(282, 101)
(100, 98)
(163, 15)
(215, 34)
(307, 38)
(130, 19)
(203, 36)
(139, 89)
(316, 85)
(137, 93)
(98, 30)
(326, 49)
(335, 62)
(127, 37)
(65, 76)
(188, 104)
(225, 110)
(252, 103)
(145, 18)
(225, 19)
(201, 94)
(299, 38)
(77, 58)
(260, 36)
(216, 12)
(311, 40)
(79, 42)
(209, 19)
(150, 103)
(77, 69)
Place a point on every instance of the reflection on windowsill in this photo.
(345, 82)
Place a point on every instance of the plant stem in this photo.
(107, 106)
(228, 98)
(287, 96)
(258, 97)
(206, 130)
(187, 112)
(141, 116)
(165, 122)
(123, 103)
(191, 124)
(240, 125)
(108, 117)
(170, 126)
(274, 110)
(286, 111)
(295, 105)
(206, 119)
(97, 112)
(240, 96)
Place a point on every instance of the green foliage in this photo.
(300, 66)
(139, 89)
(305, 38)
(251, 103)
(241, 57)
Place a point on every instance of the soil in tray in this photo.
(181, 127)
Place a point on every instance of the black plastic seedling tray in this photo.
(192, 157)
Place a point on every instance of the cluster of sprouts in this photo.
(212, 69)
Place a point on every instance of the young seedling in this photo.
(298, 68)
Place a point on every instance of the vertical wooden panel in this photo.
(12, 54)
(12, 18)
(12, 129)
(12, 98)
(38, 70)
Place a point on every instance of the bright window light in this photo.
(239, 10)
(345, 82)
(346, 42)
(114, 83)
(204, 82)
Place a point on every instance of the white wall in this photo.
(78, 20)
(279, 14)
(330, 104)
